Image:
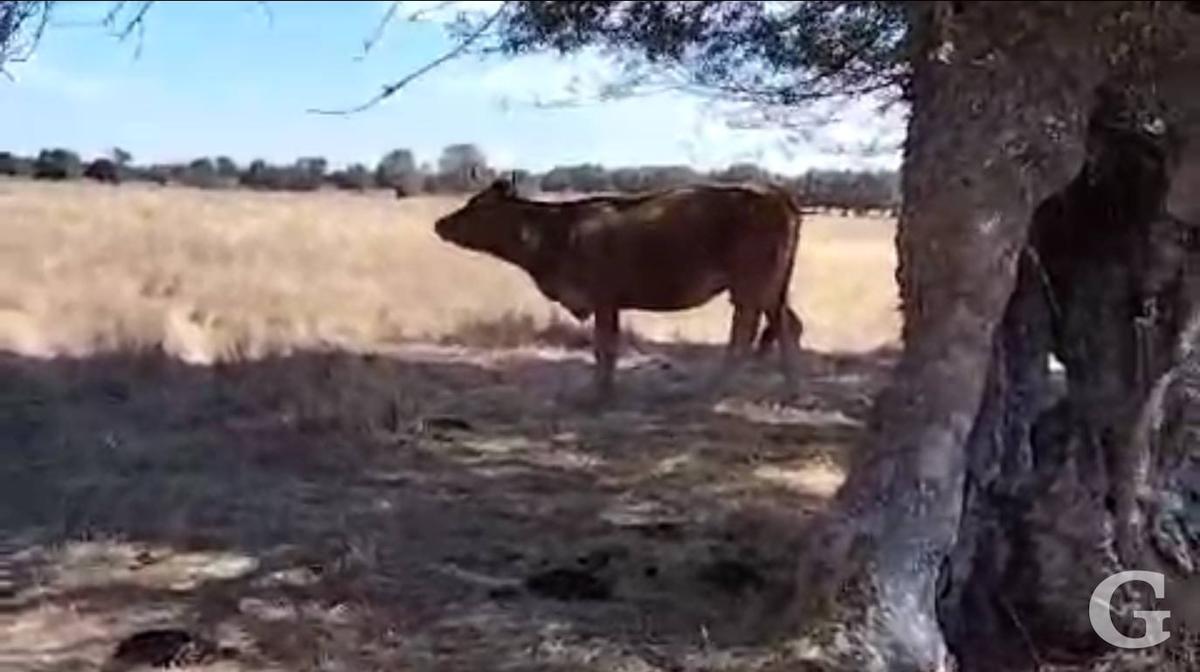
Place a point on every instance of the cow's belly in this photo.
(673, 293)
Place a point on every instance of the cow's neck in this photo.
(546, 255)
(544, 252)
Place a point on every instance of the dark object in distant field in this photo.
(167, 647)
(565, 583)
(103, 170)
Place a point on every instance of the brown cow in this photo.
(662, 251)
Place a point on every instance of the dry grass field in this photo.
(214, 275)
(302, 428)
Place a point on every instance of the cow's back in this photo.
(677, 249)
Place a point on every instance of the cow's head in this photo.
(484, 223)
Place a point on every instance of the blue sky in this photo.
(223, 78)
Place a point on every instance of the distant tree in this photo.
(15, 166)
(226, 167)
(120, 157)
(743, 173)
(851, 191)
(397, 167)
(557, 179)
(523, 180)
(158, 174)
(164, 173)
(430, 183)
(355, 177)
(57, 164)
(629, 180)
(462, 167)
(307, 174)
(665, 177)
(460, 157)
(588, 178)
(256, 176)
(201, 173)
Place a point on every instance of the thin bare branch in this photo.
(377, 34)
(421, 14)
(265, 6)
(608, 94)
(110, 18)
(136, 23)
(456, 51)
(141, 40)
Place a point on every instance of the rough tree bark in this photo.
(1052, 484)
(997, 125)
(956, 527)
(1063, 492)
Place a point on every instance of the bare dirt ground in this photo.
(420, 501)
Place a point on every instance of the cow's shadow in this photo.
(427, 507)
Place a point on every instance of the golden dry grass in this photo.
(321, 509)
(219, 275)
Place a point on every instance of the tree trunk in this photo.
(996, 126)
(987, 510)
(1064, 492)
(1051, 490)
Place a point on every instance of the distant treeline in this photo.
(461, 168)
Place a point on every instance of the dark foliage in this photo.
(57, 164)
(21, 26)
(353, 178)
(15, 166)
(463, 169)
(774, 53)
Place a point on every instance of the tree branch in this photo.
(15, 18)
(265, 6)
(137, 22)
(377, 34)
(110, 18)
(455, 52)
(420, 14)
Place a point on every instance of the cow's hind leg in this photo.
(770, 335)
(606, 342)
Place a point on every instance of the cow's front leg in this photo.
(606, 340)
(742, 332)
(790, 329)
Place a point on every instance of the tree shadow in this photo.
(388, 510)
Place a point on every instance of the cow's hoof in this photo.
(591, 400)
(711, 391)
(791, 397)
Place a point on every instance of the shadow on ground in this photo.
(432, 507)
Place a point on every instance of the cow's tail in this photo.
(782, 310)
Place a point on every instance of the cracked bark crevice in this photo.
(1066, 488)
(994, 496)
